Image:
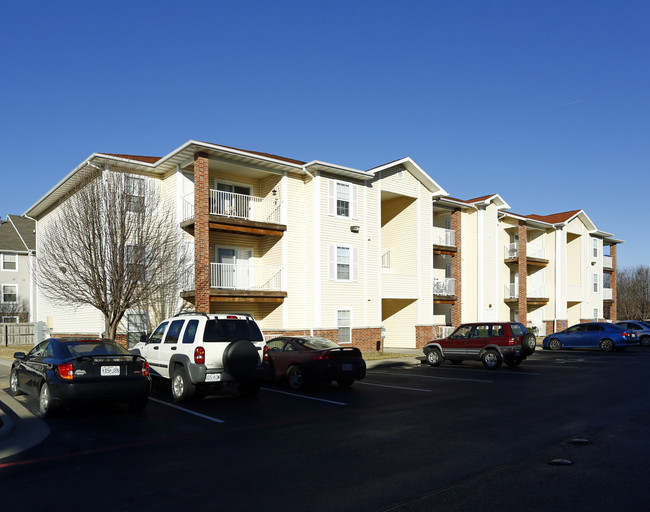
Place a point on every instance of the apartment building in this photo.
(17, 245)
(381, 257)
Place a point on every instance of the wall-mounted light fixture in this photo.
(355, 229)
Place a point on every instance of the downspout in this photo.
(32, 255)
(311, 328)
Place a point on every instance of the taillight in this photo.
(265, 357)
(199, 355)
(145, 368)
(66, 371)
(513, 341)
(327, 355)
(625, 334)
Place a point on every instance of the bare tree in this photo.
(113, 245)
(19, 309)
(633, 293)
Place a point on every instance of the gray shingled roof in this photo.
(17, 234)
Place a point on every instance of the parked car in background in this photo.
(200, 354)
(65, 371)
(641, 328)
(492, 343)
(603, 335)
(312, 360)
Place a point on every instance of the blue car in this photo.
(641, 328)
(601, 335)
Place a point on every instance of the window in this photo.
(344, 323)
(9, 261)
(157, 335)
(342, 199)
(596, 316)
(9, 320)
(343, 263)
(595, 247)
(190, 331)
(595, 283)
(9, 293)
(174, 331)
(135, 201)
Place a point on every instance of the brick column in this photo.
(613, 316)
(201, 233)
(522, 269)
(457, 270)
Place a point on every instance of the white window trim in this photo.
(339, 327)
(3, 319)
(594, 248)
(333, 263)
(2, 262)
(2, 294)
(595, 287)
(354, 199)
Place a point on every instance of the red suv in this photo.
(492, 343)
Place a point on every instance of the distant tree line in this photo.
(633, 293)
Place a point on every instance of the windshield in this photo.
(231, 330)
(314, 343)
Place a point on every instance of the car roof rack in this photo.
(181, 313)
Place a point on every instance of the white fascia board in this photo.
(496, 199)
(316, 165)
(528, 220)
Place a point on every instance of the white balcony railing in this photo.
(241, 206)
(245, 276)
(444, 237)
(608, 294)
(608, 262)
(445, 286)
(532, 251)
(511, 291)
(385, 259)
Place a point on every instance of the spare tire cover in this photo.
(528, 344)
(240, 359)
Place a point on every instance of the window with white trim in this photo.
(9, 261)
(343, 263)
(344, 325)
(594, 251)
(343, 199)
(596, 314)
(135, 189)
(9, 320)
(595, 283)
(9, 293)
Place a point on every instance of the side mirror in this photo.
(19, 355)
(143, 338)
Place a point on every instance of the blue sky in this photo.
(546, 103)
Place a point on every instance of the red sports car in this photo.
(312, 360)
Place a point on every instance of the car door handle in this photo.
(155, 348)
(173, 348)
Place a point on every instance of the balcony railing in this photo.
(245, 276)
(608, 294)
(444, 237)
(532, 251)
(512, 291)
(608, 262)
(240, 206)
(445, 286)
(385, 259)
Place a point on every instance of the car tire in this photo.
(183, 389)
(434, 357)
(555, 344)
(645, 341)
(491, 359)
(528, 344)
(296, 377)
(249, 389)
(606, 345)
(345, 383)
(514, 362)
(13, 384)
(46, 406)
(240, 359)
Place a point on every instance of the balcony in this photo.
(608, 263)
(534, 294)
(608, 294)
(444, 237)
(535, 253)
(445, 286)
(239, 213)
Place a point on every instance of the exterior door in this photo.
(234, 269)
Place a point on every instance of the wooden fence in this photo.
(16, 334)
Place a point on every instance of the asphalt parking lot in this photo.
(408, 437)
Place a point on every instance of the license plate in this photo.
(346, 367)
(110, 370)
(212, 377)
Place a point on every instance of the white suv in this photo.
(202, 353)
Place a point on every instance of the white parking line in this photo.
(205, 417)
(303, 396)
(432, 377)
(394, 387)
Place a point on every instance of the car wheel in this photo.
(45, 405)
(182, 387)
(434, 357)
(296, 376)
(645, 341)
(13, 384)
(491, 359)
(555, 344)
(513, 363)
(249, 389)
(528, 344)
(606, 345)
(345, 383)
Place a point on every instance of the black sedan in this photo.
(64, 371)
(312, 360)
